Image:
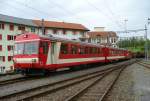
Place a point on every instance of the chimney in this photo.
(97, 29)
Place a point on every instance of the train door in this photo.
(53, 52)
(43, 52)
(105, 53)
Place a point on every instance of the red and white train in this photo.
(36, 54)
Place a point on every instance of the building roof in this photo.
(54, 24)
(102, 34)
(16, 20)
(37, 23)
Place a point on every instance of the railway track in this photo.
(80, 87)
(31, 93)
(144, 64)
(15, 80)
(96, 91)
(2, 75)
(42, 90)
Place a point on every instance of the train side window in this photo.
(94, 50)
(90, 50)
(99, 51)
(83, 50)
(64, 48)
(45, 47)
(74, 49)
(86, 50)
(112, 52)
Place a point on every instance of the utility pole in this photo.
(43, 32)
(125, 25)
(146, 39)
(146, 45)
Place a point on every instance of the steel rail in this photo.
(111, 85)
(76, 95)
(63, 86)
(15, 80)
(51, 84)
(143, 64)
(12, 95)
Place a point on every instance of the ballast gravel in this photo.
(132, 85)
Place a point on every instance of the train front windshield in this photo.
(26, 48)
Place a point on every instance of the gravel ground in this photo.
(9, 89)
(142, 83)
(96, 91)
(132, 85)
(63, 94)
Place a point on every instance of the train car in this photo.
(116, 54)
(35, 54)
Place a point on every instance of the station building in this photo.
(11, 26)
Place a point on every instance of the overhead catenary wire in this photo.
(16, 8)
(68, 12)
(100, 11)
(112, 13)
(45, 13)
(37, 10)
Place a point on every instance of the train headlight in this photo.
(34, 60)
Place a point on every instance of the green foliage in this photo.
(134, 44)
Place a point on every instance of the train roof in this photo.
(35, 37)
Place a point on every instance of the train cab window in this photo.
(45, 47)
(64, 48)
(74, 49)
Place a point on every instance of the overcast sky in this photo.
(105, 13)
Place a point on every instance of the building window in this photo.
(0, 47)
(0, 37)
(75, 32)
(114, 40)
(10, 37)
(54, 31)
(10, 47)
(64, 31)
(32, 29)
(14, 37)
(2, 25)
(2, 58)
(22, 28)
(10, 58)
(11, 27)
